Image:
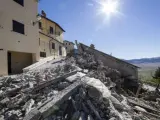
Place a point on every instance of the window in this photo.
(66, 48)
(40, 25)
(42, 54)
(51, 30)
(69, 43)
(53, 45)
(60, 50)
(66, 43)
(21, 2)
(18, 27)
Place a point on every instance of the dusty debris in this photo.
(143, 105)
(26, 91)
(80, 88)
(140, 109)
(28, 106)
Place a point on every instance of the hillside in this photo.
(147, 67)
(145, 60)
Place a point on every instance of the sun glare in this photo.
(109, 7)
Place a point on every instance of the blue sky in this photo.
(135, 34)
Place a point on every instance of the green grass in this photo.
(145, 75)
(147, 71)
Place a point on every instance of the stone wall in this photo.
(125, 68)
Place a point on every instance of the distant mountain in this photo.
(144, 60)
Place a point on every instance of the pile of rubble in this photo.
(80, 88)
(21, 93)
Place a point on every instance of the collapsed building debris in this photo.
(80, 88)
(29, 90)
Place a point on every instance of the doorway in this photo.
(9, 63)
(17, 61)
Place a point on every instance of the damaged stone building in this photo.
(127, 70)
(79, 88)
(69, 46)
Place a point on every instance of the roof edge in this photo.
(53, 22)
(69, 42)
(111, 56)
(50, 37)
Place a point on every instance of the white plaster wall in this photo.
(12, 41)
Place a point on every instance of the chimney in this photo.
(43, 13)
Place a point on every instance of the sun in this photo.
(109, 7)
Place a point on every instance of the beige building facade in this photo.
(69, 46)
(19, 37)
(50, 38)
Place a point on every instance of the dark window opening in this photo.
(9, 63)
(66, 47)
(53, 45)
(18, 27)
(60, 50)
(21, 2)
(40, 25)
(42, 54)
(51, 30)
(69, 43)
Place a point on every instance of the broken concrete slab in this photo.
(140, 109)
(50, 82)
(75, 77)
(40, 63)
(116, 103)
(98, 85)
(33, 115)
(94, 109)
(51, 106)
(143, 105)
